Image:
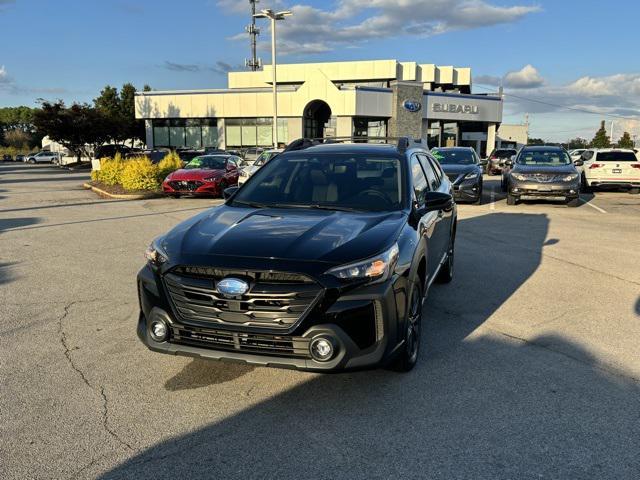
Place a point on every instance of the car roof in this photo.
(458, 148)
(370, 148)
(542, 148)
(613, 150)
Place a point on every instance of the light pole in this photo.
(274, 17)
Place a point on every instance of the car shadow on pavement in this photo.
(480, 404)
(6, 272)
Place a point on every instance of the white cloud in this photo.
(528, 77)
(4, 76)
(313, 30)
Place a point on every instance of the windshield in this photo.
(616, 157)
(264, 158)
(504, 153)
(454, 157)
(209, 162)
(341, 182)
(548, 158)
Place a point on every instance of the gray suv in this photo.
(543, 173)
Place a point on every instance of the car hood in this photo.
(458, 169)
(290, 234)
(195, 174)
(542, 169)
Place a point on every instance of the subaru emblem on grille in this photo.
(233, 287)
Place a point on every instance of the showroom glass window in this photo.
(190, 133)
(254, 132)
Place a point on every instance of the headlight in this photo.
(571, 177)
(471, 176)
(519, 176)
(378, 268)
(155, 254)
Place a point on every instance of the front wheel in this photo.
(479, 200)
(573, 203)
(634, 191)
(222, 187)
(408, 356)
(32, 161)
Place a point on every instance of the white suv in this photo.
(611, 167)
(43, 157)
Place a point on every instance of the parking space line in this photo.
(601, 210)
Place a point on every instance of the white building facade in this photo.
(367, 98)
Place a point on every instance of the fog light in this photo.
(159, 331)
(321, 349)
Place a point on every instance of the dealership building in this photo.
(365, 98)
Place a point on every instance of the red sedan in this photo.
(204, 175)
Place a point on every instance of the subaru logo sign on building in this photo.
(233, 287)
(412, 106)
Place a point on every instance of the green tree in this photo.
(576, 143)
(601, 139)
(80, 128)
(625, 141)
(536, 141)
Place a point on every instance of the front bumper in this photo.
(526, 190)
(363, 325)
(467, 191)
(205, 188)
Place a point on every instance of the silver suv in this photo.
(43, 157)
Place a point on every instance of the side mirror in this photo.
(484, 161)
(578, 163)
(229, 192)
(435, 201)
(513, 158)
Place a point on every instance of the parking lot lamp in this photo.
(274, 17)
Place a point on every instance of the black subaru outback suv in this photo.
(320, 261)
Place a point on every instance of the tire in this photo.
(223, 185)
(634, 191)
(511, 200)
(573, 203)
(408, 356)
(479, 201)
(585, 186)
(32, 161)
(175, 195)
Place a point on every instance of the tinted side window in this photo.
(436, 167)
(432, 178)
(419, 180)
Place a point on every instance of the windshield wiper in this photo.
(316, 206)
(250, 204)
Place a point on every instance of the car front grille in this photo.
(186, 185)
(544, 177)
(275, 300)
(259, 344)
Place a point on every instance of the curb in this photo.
(121, 196)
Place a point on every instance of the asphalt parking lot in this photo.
(530, 368)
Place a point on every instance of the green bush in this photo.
(110, 172)
(140, 174)
(169, 164)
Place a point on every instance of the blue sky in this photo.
(582, 54)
